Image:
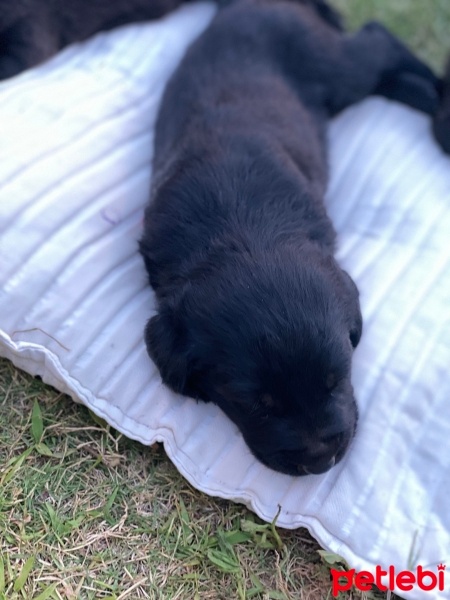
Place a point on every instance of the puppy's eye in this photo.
(330, 381)
(267, 400)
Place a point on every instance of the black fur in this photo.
(441, 122)
(32, 31)
(254, 312)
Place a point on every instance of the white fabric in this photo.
(75, 150)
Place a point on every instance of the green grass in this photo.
(87, 514)
(423, 24)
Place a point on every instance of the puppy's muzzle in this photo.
(318, 467)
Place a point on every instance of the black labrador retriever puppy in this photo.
(31, 31)
(254, 312)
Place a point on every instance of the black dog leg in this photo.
(441, 123)
(380, 64)
(32, 31)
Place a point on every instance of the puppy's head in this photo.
(270, 340)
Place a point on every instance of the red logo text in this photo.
(389, 579)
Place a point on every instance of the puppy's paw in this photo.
(411, 89)
(441, 121)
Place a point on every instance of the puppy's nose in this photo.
(319, 466)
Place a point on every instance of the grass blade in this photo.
(37, 424)
(2, 575)
(13, 466)
(26, 569)
(47, 592)
(225, 562)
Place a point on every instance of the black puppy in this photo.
(32, 31)
(254, 313)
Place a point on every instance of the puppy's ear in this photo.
(354, 316)
(166, 344)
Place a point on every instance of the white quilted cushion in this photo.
(76, 146)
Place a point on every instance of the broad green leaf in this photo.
(260, 533)
(237, 537)
(47, 592)
(26, 570)
(37, 425)
(330, 557)
(185, 521)
(111, 500)
(251, 527)
(43, 449)
(14, 465)
(225, 562)
(2, 575)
